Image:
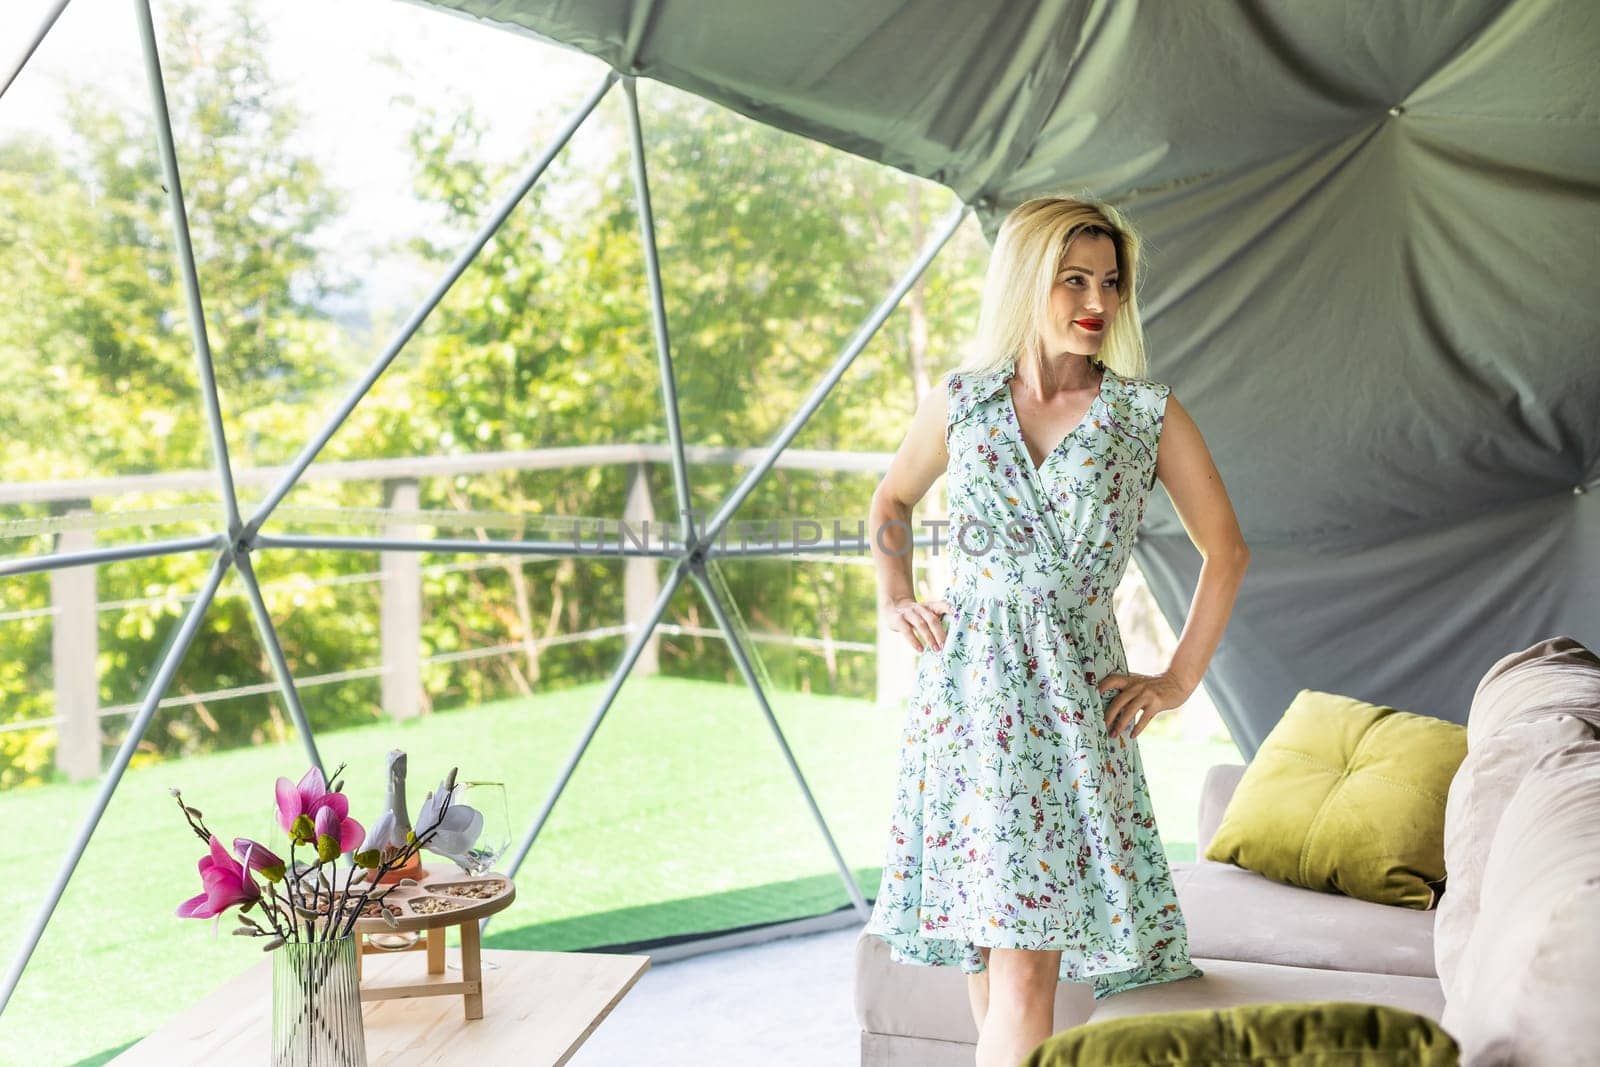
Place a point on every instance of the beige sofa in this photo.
(1516, 934)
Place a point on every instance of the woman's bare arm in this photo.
(1185, 468)
(920, 460)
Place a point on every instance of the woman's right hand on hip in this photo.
(919, 621)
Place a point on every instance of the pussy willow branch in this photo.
(272, 911)
(400, 859)
(289, 885)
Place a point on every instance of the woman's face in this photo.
(1083, 296)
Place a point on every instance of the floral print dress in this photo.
(1018, 821)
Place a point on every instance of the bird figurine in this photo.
(391, 831)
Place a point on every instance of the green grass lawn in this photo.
(682, 818)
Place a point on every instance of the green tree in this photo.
(772, 248)
(97, 371)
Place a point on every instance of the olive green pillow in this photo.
(1346, 797)
(1312, 1034)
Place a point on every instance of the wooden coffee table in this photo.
(538, 1008)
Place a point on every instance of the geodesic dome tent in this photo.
(1371, 230)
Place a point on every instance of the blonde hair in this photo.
(1028, 252)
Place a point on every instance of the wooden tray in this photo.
(433, 889)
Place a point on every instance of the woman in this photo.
(1023, 847)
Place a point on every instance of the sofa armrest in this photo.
(1221, 780)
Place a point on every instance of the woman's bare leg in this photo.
(1022, 1005)
(978, 990)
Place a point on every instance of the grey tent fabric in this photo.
(1373, 232)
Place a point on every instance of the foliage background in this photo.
(771, 248)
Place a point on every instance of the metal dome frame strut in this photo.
(697, 559)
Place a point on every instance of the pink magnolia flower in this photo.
(335, 832)
(227, 882)
(311, 798)
(258, 857)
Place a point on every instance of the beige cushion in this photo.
(1234, 914)
(1528, 703)
(905, 1000)
(1227, 983)
(898, 1050)
(1488, 777)
(1525, 988)
(1556, 675)
(1220, 782)
(931, 1002)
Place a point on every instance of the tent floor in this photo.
(786, 1003)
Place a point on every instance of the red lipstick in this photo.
(1091, 324)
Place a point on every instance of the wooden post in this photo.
(401, 609)
(641, 578)
(75, 649)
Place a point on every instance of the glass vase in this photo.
(316, 1005)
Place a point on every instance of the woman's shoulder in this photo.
(966, 388)
(1139, 404)
(1141, 393)
(962, 378)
